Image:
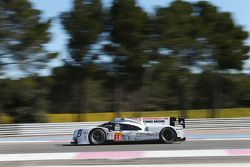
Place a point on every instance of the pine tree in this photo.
(22, 36)
(83, 25)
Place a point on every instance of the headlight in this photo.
(79, 133)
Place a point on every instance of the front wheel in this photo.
(168, 135)
(97, 136)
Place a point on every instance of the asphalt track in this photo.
(11, 148)
(217, 139)
(22, 148)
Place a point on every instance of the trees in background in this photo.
(199, 37)
(182, 38)
(26, 100)
(224, 49)
(23, 35)
(128, 30)
(83, 25)
(175, 33)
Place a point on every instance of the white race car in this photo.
(165, 129)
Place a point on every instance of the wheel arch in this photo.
(168, 127)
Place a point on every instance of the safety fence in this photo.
(35, 129)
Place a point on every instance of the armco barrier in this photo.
(35, 129)
(218, 123)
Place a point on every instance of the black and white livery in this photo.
(165, 129)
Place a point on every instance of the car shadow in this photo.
(121, 143)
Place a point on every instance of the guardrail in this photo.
(35, 129)
(218, 123)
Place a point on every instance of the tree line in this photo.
(183, 56)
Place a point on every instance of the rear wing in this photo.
(181, 121)
(153, 121)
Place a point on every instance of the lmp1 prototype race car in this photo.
(165, 129)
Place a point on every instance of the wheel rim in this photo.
(168, 134)
(97, 137)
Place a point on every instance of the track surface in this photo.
(20, 148)
(15, 148)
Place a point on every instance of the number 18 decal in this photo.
(118, 136)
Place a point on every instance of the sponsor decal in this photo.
(144, 134)
(154, 120)
(118, 136)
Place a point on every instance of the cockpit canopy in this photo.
(124, 124)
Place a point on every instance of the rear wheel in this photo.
(168, 135)
(97, 136)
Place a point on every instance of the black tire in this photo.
(168, 135)
(97, 136)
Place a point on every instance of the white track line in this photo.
(167, 165)
(216, 139)
(36, 156)
(114, 155)
(34, 141)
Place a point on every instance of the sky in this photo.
(52, 8)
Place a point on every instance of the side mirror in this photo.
(117, 127)
(109, 127)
